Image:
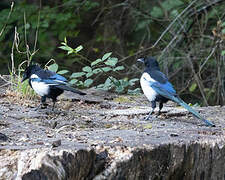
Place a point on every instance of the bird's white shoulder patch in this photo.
(34, 76)
(145, 81)
(40, 88)
(147, 77)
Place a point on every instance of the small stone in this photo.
(3, 137)
(56, 143)
(174, 135)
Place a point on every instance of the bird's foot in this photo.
(44, 106)
(41, 106)
(150, 117)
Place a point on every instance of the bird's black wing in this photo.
(44, 74)
(158, 76)
(50, 75)
(69, 88)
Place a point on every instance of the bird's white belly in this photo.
(40, 88)
(149, 92)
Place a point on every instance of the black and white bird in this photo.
(47, 84)
(157, 88)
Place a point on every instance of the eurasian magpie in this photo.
(47, 84)
(157, 88)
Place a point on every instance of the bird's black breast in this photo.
(54, 92)
(160, 98)
(30, 83)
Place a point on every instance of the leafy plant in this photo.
(102, 66)
(22, 88)
(16, 73)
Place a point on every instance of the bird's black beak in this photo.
(141, 60)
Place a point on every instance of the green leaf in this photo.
(174, 13)
(62, 72)
(124, 82)
(111, 61)
(79, 48)
(96, 62)
(66, 48)
(97, 70)
(142, 24)
(135, 91)
(80, 83)
(132, 81)
(73, 81)
(170, 4)
(63, 48)
(223, 53)
(223, 31)
(108, 82)
(118, 68)
(119, 89)
(116, 82)
(88, 82)
(100, 86)
(193, 87)
(156, 12)
(27, 26)
(89, 74)
(77, 74)
(106, 56)
(64, 44)
(107, 69)
(223, 24)
(53, 67)
(65, 40)
(87, 69)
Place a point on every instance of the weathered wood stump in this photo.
(104, 136)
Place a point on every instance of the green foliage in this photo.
(70, 50)
(23, 89)
(223, 35)
(156, 12)
(223, 53)
(99, 67)
(171, 4)
(54, 67)
(55, 23)
(193, 87)
(132, 33)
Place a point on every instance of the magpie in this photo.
(157, 88)
(47, 84)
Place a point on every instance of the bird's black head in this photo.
(29, 71)
(150, 62)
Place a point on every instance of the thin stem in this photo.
(198, 80)
(10, 12)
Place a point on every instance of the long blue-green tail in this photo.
(167, 91)
(190, 109)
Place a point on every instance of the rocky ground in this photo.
(104, 136)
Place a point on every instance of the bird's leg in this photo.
(53, 106)
(160, 107)
(42, 104)
(152, 111)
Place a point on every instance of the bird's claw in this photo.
(41, 106)
(149, 117)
